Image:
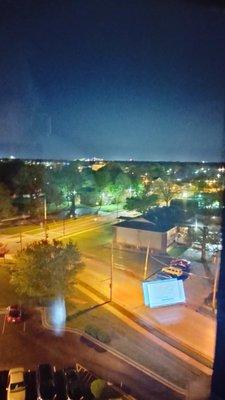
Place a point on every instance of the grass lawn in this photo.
(177, 251)
(8, 294)
(124, 338)
(112, 207)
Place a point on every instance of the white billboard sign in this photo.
(163, 292)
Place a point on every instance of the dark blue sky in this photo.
(116, 79)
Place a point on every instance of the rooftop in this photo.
(145, 225)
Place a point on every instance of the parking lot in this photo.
(6, 328)
(36, 345)
(29, 380)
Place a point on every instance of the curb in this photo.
(116, 353)
(153, 329)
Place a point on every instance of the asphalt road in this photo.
(176, 321)
(28, 344)
(54, 230)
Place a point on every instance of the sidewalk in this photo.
(181, 326)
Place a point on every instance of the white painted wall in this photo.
(140, 238)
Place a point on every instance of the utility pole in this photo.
(45, 208)
(216, 280)
(111, 274)
(21, 240)
(146, 261)
(204, 239)
(45, 217)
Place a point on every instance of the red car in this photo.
(180, 263)
(14, 314)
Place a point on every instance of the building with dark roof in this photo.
(141, 232)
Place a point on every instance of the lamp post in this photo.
(21, 239)
(45, 208)
(45, 215)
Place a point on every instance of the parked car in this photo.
(73, 384)
(16, 388)
(180, 263)
(14, 314)
(174, 272)
(61, 386)
(213, 247)
(163, 275)
(46, 388)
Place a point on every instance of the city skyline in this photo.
(141, 80)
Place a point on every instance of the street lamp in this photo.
(45, 214)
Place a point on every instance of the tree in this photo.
(46, 270)
(8, 171)
(70, 182)
(97, 387)
(6, 208)
(166, 189)
(3, 250)
(141, 204)
(30, 181)
(203, 233)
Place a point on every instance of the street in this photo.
(19, 237)
(173, 321)
(174, 325)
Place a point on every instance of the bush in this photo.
(91, 330)
(97, 333)
(103, 337)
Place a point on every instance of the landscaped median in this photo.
(97, 333)
(161, 387)
(90, 317)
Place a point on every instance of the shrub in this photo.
(97, 333)
(103, 337)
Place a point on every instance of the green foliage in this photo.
(141, 204)
(166, 189)
(6, 208)
(3, 249)
(45, 269)
(97, 387)
(30, 180)
(97, 333)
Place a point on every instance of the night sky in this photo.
(116, 79)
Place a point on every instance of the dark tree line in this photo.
(138, 186)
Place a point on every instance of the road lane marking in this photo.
(3, 327)
(81, 232)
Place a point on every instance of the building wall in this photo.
(138, 238)
(141, 239)
(171, 234)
